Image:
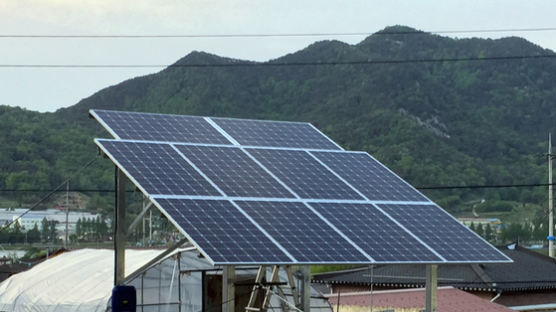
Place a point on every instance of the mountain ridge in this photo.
(447, 123)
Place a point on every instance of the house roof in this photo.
(529, 271)
(449, 300)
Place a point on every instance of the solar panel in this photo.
(159, 127)
(443, 233)
(303, 174)
(369, 176)
(222, 232)
(263, 192)
(157, 168)
(275, 134)
(375, 233)
(302, 233)
(235, 173)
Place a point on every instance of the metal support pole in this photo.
(179, 280)
(143, 242)
(431, 288)
(550, 201)
(150, 227)
(228, 288)
(119, 229)
(306, 286)
(67, 215)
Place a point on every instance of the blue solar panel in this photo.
(158, 168)
(369, 176)
(375, 233)
(234, 172)
(303, 174)
(159, 127)
(299, 200)
(222, 232)
(275, 134)
(301, 232)
(444, 234)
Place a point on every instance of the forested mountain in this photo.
(434, 123)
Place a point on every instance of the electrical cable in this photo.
(261, 35)
(292, 64)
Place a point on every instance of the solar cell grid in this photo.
(445, 235)
(301, 232)
(234, 172)
(159, 127)
(303, 174)
(158, 168)
(222, 232)
(370, 177)
(275, 133)
(375, 233)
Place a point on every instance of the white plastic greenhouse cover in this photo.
(79, 280)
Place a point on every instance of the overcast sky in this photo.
(47, 89)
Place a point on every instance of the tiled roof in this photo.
(449, 300)
(530, 271)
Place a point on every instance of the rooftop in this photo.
(449, 300)
(529, 271)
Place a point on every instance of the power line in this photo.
(450, 187)
(482, 186)
(290, 64)
(261, 35)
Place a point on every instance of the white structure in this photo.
(82, 281)
(29, 220)
(79, 280)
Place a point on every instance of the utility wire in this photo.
(289, 64)
(261, 35)
(441, 187)
(451, 187)
(7, 225)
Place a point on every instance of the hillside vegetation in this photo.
(434, 123)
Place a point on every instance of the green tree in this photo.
(34, 235)
(53, 233)
(490, 235)
(45, 230)
(480, 230)
(472, 227)
(79, 228)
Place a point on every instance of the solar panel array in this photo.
(269, 192)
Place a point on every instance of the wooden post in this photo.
(306, 286)
(228, 288)
(431, 288)
(119, 229)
